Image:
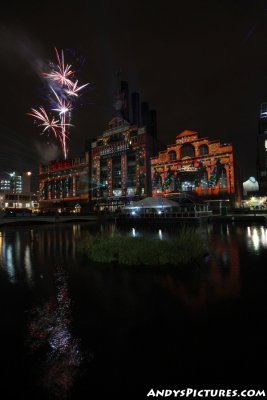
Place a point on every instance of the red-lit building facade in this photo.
(120, 164)
(200, 166)
(64, 185)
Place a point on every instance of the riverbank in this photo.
(259, 218)
(159, 220)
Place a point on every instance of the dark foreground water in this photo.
(73, 330)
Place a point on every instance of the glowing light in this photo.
(160, 234)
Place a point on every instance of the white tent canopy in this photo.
(151, 202)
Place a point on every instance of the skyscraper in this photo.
(262, 150)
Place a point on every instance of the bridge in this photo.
(54, 219)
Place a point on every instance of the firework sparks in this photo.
(41, 115)
(60, 73)
(75, 89)
(65, 89)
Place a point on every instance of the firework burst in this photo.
(64, 89)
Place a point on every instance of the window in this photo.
(203, 150)
(223, 179)
(187, 150)
(172, 155)
(204, 181)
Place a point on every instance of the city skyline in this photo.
(201, 66)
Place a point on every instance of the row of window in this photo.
(188, 150)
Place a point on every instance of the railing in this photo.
(171, 215)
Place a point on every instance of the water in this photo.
(74, 330)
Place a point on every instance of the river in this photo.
(74, 330)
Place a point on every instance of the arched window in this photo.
(187, 150)
(203, 150)
(204, 181)
(223, 179)
(172, 155)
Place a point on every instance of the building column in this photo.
(124, 174)
(110, 186)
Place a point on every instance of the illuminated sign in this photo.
(114, 149)
(187, 169)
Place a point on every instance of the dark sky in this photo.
(201, 64)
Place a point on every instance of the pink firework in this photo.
(74, 90)
(65, 89)
(41, 115)
(60, 73)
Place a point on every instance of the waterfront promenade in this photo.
(199, 217)
(151, 219)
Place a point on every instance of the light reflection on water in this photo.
(17, 248)
(31, 256)
(256, 238)
(50, 333)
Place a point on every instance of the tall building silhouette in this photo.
(262, 150)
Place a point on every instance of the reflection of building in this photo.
(262, 151)
(120, 163)
(196, 165)
(63, 185)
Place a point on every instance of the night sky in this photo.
(201, 64)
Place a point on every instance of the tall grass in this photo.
(187, 247)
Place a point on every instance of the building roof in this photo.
(186, 133)
(152, 202)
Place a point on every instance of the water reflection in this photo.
(19, 246)
(28, 263)
(257, 238)
(8, 252)
(117, 310)
(223, 280)
(50, 334)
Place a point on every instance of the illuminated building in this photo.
(262, 150)
(200, 166)
(19, 201)
(15, 182)
(120, 156)
(63, 185)
(120, 164)
(15, 191)
(12, 183)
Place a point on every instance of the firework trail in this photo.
(64, 90)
